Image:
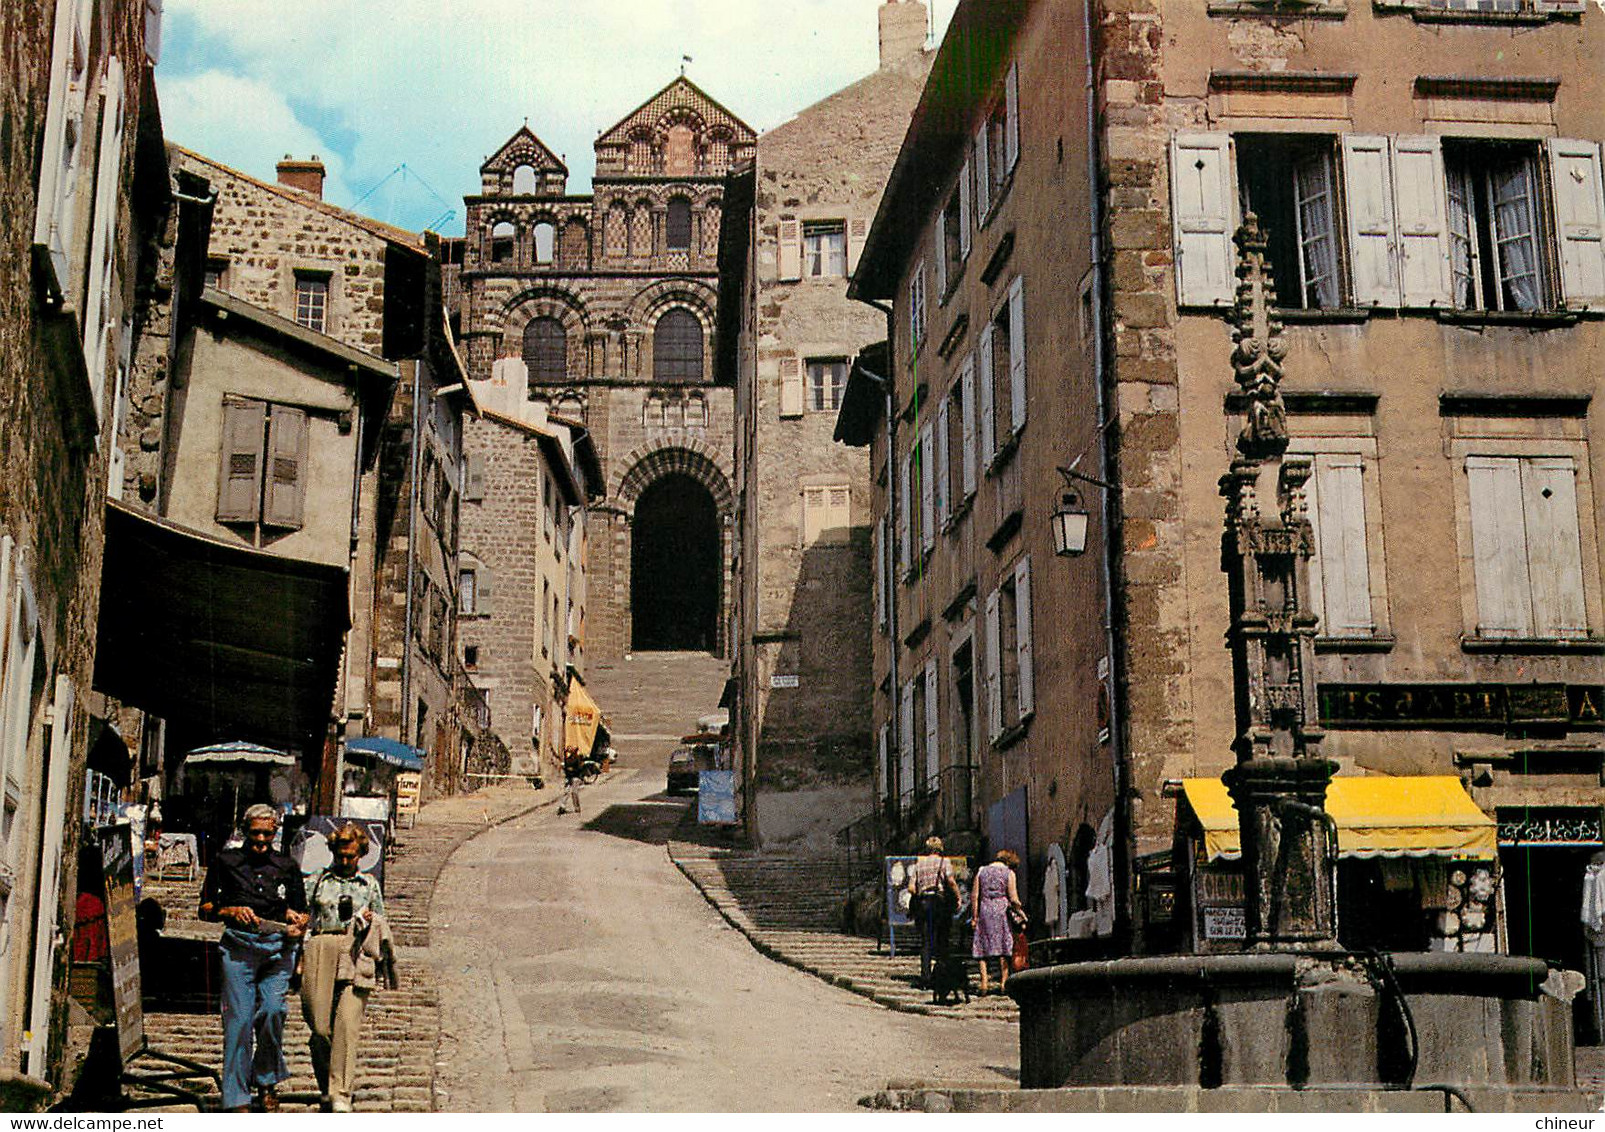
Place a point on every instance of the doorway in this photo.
(675, 567)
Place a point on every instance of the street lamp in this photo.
(1069, 527)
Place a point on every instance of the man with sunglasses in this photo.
(258, 894)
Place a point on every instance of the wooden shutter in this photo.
(1579, 220)
(482, 586)
(1554, 548)
(1419, 214)
(941, 254)
(1499, 547)
(474, 477)
(967, 415)
(882, 753)
(940, 465)
(1017, 402)
(788, 256)
(1201, 215)
(1022, 637)
(905, 743)
(933, 727)
(285, 476)
(1339, 507)
(904, 535)
(927, 492)
(994, 706)
(1367, 175)
(965, 217)
(99, 308)
(63, 133)
(791, 386)
(987, 419)
(983, 178)
(857, 233)
(239, 485)
(46, 907)
(1011, 120)
(877, 549)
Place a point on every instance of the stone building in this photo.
(81, 190)
(1428, 176)
(795, 219)
(607, 304)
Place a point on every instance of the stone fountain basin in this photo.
(1295, 1020)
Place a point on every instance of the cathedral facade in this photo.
(602, 306)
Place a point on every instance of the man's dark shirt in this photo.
(268, 885)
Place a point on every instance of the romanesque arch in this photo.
(553, 303)
(691, 457)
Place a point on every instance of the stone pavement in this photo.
(396, 1064)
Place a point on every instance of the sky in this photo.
(403, 100)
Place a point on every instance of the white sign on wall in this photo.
(783, 681)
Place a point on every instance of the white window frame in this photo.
(916, 308)
(824, 249)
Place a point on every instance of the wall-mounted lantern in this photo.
(1070, 519)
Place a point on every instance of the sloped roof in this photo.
(524, 148)
(681, 94)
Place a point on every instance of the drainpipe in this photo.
(1124, 850)
(412, 544)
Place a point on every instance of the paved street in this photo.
(579, 971)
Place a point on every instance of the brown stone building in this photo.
(82, 189)
(1428, 175)
(795, 219)
(605, 303)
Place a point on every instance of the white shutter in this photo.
(905, 744)
(1022, 637)
(983, 178)
(63, 134)
(1554, 550)
(987, 419)
(791, 386)
(788, 256)
(1017, 353)
(1315, 599)
(1340, 534)
(941, 254)
(904, 510)
(857, 233)
(47, 936)
(994, 706)
(882, 754)
(100, 314)
(1201, 214)
(1368, 181)
(927, 491)
(939, 463)
(877, 548)
(967, 416)
(1580, 220)
(933, 738)
(965, 220)
(1418, 198)
(1499, 547)
(1011, 120)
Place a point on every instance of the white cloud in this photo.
(439, 84)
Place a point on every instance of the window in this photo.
(217, 273)
(1340, 580)
(466, 592)
(827, 514)
(470, 656)
(1289, 182)
(677, 347)
(953, 235)
(546, 351)
(1526, 546)
(956, 447)
(1010, 690)
(1000, 376)
(264, 464)
(677, 224)
(916, 308)
(1494, 227)
(545, 242)
(997, 145)
(502, 238)
(962, 681)
(546, 618)
(827, 378)
(525, 182)
(312, 301)
(824, 248)
(917, 517)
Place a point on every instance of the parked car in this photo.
(683, 771)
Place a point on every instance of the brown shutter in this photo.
(284, 497)
(239, 485)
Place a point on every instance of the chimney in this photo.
(304, 175)
(903, 27)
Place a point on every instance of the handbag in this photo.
(1021, 959)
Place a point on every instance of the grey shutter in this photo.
(1419, 212)
(1022, 637)
(788, 256)
(927, 491)
(987, 418)
(940, 463)
(482, 587)
(967, 414)
(1554, 549)
(877, 548)
(965, 211)
(474, 478)
(994, 705)
(1017, 390)
(285, 476)
(905, 743)
(1580, 220)
(904, 533)
(1340, 533)
(983, 178)
(881, 768)
(99, 308)
(933, 728)
(1201, 215)
(1499, 547)
(1367, 174)
(239, 485)
(941, 254)
(1011, 120)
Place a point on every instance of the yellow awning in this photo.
(584, 717)
(1377, 816)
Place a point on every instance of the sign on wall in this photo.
(117, 861)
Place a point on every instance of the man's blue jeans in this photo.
(256, 977)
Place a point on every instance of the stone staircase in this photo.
(650, 699)
(790, 909)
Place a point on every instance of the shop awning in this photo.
(391, 751)
(1377, 816)
(584, 717)
(218, 638)
(242, 754)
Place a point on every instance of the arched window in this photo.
(502, 237)
(525, 183)
(545, 238)
(678, 224)
(546, 351)
(677, 347)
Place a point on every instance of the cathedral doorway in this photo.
(675, 567)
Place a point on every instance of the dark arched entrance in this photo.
(674, 567)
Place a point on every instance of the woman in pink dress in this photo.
(992, 895)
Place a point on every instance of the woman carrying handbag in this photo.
(993, 897)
